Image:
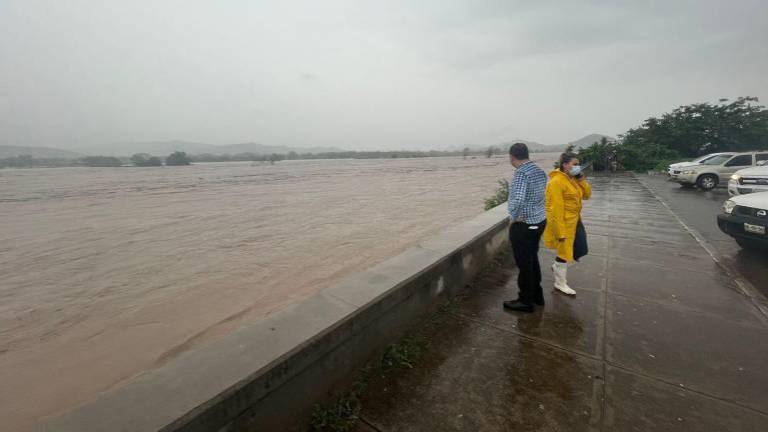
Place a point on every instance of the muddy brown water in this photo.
(110, 272)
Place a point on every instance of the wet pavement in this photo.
(658, 337)
(699, 210)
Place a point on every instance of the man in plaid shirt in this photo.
(528, 219)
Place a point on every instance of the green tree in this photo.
(275, 157)
(465, 152)
(692, 130)
(178, 158)
(598, 154)
(489, 152)
(145, 160)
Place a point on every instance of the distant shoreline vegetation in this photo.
(181, 158)
(137, 160)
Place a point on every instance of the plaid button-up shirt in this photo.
(526, 194)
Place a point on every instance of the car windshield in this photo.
(701, 159)
(716, 160)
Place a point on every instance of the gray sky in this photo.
(365, 74)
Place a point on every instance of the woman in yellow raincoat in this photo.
(564, 232)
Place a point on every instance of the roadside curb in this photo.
(745, 287)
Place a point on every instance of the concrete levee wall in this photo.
(267, 376)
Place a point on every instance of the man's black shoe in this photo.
(539, 302)
(517, 305)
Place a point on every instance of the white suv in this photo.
(675, 169)
(749, 180)
(719, 169)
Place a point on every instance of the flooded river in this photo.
(108, 272)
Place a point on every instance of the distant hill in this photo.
(163, 148)
(533, 146)
(7, 151)
(157, 148)
(257, 148)
(536, 147)
(589, 140)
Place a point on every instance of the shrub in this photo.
(145, 160)
(178, 158)
(499, 197)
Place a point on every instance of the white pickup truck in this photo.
(745, 218)
(749, 180)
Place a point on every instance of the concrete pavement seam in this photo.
(524, 336)
(369, 423)
(604, 330)
(680, 386)
(746, 288)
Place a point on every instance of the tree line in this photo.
(139, 159)
(686, 132)
(181, 158)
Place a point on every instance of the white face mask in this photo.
(575, 170)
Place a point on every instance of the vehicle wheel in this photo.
(707, 182)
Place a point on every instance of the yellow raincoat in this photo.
(563, 204)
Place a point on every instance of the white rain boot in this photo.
(561, 271)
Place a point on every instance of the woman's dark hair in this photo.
(565, 158)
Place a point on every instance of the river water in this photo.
(108, 272)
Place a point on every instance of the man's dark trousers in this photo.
(524, 239)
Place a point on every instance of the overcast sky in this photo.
(365, 74)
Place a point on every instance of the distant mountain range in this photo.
(9, 151)
(164, 148)
(589, 140)
(536, 147)
(533, 146)
(157, 148)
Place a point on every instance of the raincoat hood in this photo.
(556, 172)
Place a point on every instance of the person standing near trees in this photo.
(528, 220)
(565, 233)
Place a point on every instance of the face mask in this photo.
(575, 170)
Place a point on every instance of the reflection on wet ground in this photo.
(657, 339)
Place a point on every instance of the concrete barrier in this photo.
(267, 376)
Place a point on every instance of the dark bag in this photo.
(580, 247)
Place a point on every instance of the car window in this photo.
(742, 160)
(716, 160)
(761, 157)
(703, 158)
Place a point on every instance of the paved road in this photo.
(656, 339)
(699, 210)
